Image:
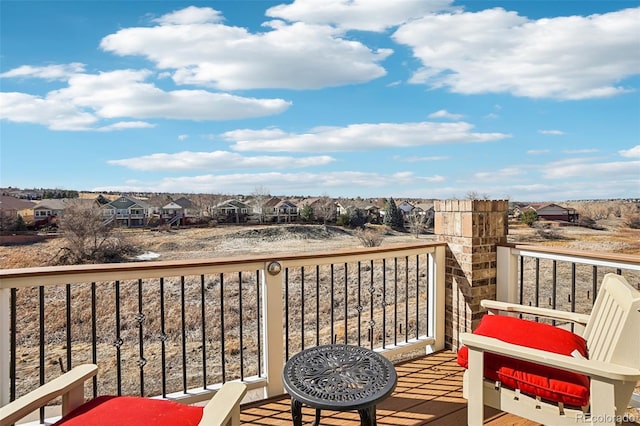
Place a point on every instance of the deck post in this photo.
(472, 229)
(5, 356)
(273, 327)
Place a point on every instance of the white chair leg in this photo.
(475, 404)
(603, 409)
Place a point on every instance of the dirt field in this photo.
(225, 241)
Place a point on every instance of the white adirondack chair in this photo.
(222, 409)
(612, 334)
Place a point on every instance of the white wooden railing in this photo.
(280, 281)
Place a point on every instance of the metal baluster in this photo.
(302, 334)
(359, 305)
(286, 312)
(140, 317)
(41, 329)
(406, 299)
(241, 328)
(371, 320)
(384, 303)
(554, 287)
(183, 335)
(68, 327)
(346, 294)
(258, 328)
(94, 337)
(203, 332)
(317, 305)
(163, 338)
(395, 301)
(222, 330)
(418, 295)
(594, 283)
(12, 362)
(331, 291)
(118, 341)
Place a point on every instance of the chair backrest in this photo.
(613, 330)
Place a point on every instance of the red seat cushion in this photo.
(132, 411)
(533, 379)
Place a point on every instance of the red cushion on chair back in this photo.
(546, 382)
(132, 411)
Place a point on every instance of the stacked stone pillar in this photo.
(472, 230)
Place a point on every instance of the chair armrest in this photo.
(592, 368)
(224, 407)
(70, 386)
(493, 306)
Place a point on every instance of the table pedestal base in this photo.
(367, 415)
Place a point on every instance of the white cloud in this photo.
(497, 51)
(575, 168)
(190, 15)
(420, 159)
(53, 113)
(630, 153)
(443, 113)
(183, 137)
(279, 183)
(498, 175)
(49, 72)
(202, 51)
(124, 125)
(367, 15)
(552, 132)
(358, 137)
(125, 93)
(216, 160)
(581, 151)
(538, 151)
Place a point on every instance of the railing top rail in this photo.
(629, 261)
(78, 273)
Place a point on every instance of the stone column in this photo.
(472, 229)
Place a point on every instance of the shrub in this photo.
(529, 217)
(369, 236)
(633, 221)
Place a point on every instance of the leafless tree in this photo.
(418, 221)
(259, 198)
(326, 209)
(87, 239)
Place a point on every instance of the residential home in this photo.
(551, 211)
(11, 207)
(324, 209)
(231, 211)
(179, 211)
(47, 211)
(405, 207)
(127, 211)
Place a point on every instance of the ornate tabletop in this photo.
(338, 377)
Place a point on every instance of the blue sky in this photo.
(530, 100)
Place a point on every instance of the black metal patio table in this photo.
(338, 378)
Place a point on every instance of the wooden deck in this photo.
(429, 391)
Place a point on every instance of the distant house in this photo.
(324, 209)
(11, 207)
(126, 211)
(178, 211)
(231, 211)
(47, 211)
(551, 211)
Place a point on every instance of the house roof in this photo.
(126, 202)
(184, 202)
(236, 204)
(52, 204)
(8, 202)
